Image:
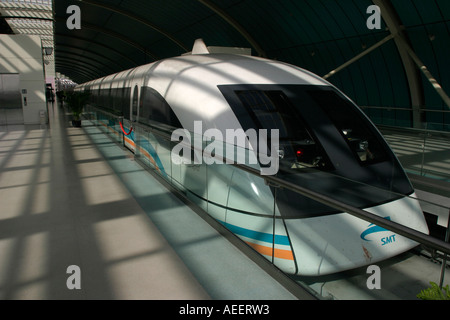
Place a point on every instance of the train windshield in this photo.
(327, 144)
(270, 110)
(357, 132)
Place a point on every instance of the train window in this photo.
(326, 145)
(116, 101)
(135, 104)
(272, 109)
(98, 100)
(141, 107)
(107, 98)
(156, 110)
(126, 102)
(352, 125)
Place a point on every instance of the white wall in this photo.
(23, 54)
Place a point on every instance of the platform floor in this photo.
(69, 196)
(426, 159)
(426, 155)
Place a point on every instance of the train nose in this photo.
(340, 242)
(406, 211)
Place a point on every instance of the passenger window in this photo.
(126, 102)
(156, 110)
(135, 104)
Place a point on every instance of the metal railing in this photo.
(425, 239)
(422, 147)
(407, 117)
(421, 151)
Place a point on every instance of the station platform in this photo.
(422, 153)
(72, 197)
(425, 156)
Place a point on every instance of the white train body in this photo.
(297, 235)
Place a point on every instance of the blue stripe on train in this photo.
(256, 235)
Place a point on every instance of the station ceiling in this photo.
(318, 35)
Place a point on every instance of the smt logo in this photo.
(236, 148)
(388, 240)
(376, 229)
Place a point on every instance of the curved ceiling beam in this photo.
(70, 67)
(76, 77)
(114, 35)
(96, 73)
(80, 58)
(97, 69)
(416, 89)
(91, 52)
(97, 44)
(225, 16)
(404, 45)
(138, 19)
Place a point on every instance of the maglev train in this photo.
(326, 144)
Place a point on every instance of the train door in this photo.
(134, 105)
(129, 140)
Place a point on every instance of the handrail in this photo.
(123, 130)
(338, 205)
(404, 109)
(105, 112)
(360, 213)
(415, 130)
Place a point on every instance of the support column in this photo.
(358, 57)
(412, 73)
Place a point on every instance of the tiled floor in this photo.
(62, 205)
(423, 154)
(68, 196)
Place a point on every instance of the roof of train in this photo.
(223, 68)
